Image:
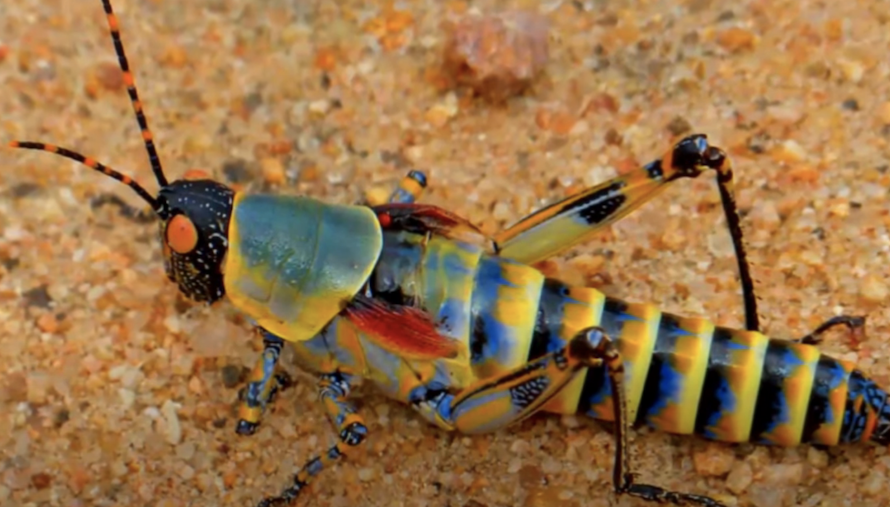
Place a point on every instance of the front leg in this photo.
(263, 384)
(334, 391)
(515, 395)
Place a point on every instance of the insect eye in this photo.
(181, 234)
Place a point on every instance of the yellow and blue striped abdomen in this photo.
(687, 376)
(683, 375)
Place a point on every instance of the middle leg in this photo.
(333, 390)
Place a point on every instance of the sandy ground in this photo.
(113, 389)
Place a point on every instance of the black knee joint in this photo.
(586, 344)
(354, 434)
(246, 428)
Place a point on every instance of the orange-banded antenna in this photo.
(147, 137)
(92, 164)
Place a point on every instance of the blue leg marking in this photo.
(264, 384)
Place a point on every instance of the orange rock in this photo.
(599, 102)
(41, 480)
(736, 39)
(48, 323)
(78, 478)
(107, 76)
(562, 123)
(174, 56)
(834, 29)
(543, 117)
(325, 59)
(229, 478)
(884, 113)
(278, 148)
(803, 174)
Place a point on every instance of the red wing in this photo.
(405, 331)
(421, 218)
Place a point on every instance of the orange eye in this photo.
(195, 174)
(181, 234)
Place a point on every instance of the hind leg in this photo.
(494, 403)
(855, 324)
(579, 217)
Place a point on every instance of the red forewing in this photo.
(403, 330)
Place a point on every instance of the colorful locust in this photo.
(418, 302)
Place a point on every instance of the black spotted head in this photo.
(194, 233)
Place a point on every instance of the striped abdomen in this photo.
(683, 375)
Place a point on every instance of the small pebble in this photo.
(127, 397)
(677, 127)
(883, 113)
(41, 480)
(790, 151)
(48, 323)
(531, 475)
(367, 474)
(873, 484)
(761, 495)
(16, 478)
(782, 474)
(236, 171)
(873, 289)
(38, 297)
(273, 171)
(439, 114)
(39, 384)
(520, 446)
(174, 56)
(850, 105)
(173, 324)
(852, 70)
(232, 375)
(714, 460)
(376, 195)
(817, 458)
(740, 477)
(320, 107)
(736, 39)
(173, 427)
